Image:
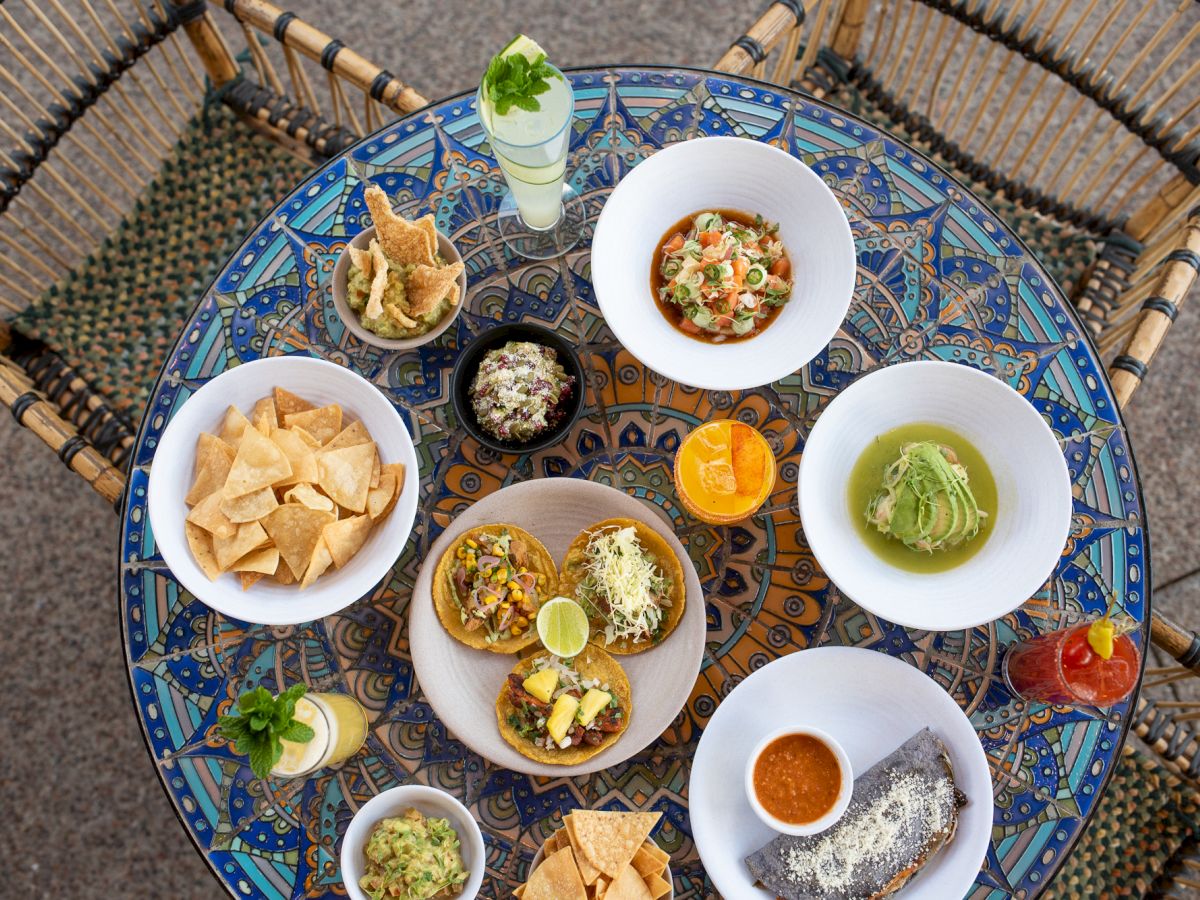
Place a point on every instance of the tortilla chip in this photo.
(263, 416)
(587, 871)
(323, 423)
(428, 286)
(557, 878)
(429, 226)
(249, 579)
(352, 435)
(599, 888)
(283, 574)
(300, 456)
(398, 314)
(296, 530)
(249, 507)
(749, 460)
(375, 468)
(656, 885)
(646, 863)
(264, 561)
(656, 852)
(453, 296)
(381, 499)
(378, 282)
(249, 536)
(609, 840)
(305, 436)
(307, 495)
(233, 427)
(360, 259)
(287, 403)
(628, 885)
(259, 463)
(207, 515)
(214, 459)
(318, 563)
(396, 469)
(402, 240)
(200, 542)
(345, 475)
(346, 537)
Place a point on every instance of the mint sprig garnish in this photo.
(260, 722)
(515, 81)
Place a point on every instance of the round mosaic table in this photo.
(939, 277)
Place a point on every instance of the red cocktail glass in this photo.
(1062, 668)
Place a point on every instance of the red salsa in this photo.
(797, 779)
(721, 275)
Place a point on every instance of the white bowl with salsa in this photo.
(795, 270)
(799, 780)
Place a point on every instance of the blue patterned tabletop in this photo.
(939, 277)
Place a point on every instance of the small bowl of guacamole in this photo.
(400, 283)
(413, 842)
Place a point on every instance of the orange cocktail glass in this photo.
(724, 471)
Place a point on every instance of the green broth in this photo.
(867, 475)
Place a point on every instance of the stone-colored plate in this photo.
(462, 683)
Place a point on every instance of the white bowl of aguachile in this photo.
(934, 495)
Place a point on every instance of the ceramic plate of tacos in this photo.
(475, 642)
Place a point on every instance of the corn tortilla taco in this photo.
(562, 712)
(629, 582)
(489, 585)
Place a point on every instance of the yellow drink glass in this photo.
(714, 486)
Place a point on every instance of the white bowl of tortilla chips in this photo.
(218, 486)
(394, 240)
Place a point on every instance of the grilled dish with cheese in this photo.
(903, 812)
(563, 712)
(628, 581)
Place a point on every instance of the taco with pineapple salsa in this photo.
(562, 712)
(488, 587)
(628, 581)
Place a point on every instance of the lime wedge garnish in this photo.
(563, 627)
(525, 46)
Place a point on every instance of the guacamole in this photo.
(411, 857)
(395, 297)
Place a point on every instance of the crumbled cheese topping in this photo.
(875, 834)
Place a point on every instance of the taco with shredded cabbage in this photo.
(629, 582)
(562, 712)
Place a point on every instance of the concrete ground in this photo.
(84, 814)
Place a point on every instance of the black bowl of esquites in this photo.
(517, 388)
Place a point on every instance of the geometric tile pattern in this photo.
(939, 277)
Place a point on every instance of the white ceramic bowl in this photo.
(816, 826)
(724, 173)
(1033, 486)
(341, 273)
(171, 476)
(429, 801)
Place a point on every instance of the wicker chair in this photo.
(1103, 186)
(118, 114)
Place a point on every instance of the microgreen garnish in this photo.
(260, 722)
(515, 81)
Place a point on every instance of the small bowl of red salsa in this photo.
(799, 780)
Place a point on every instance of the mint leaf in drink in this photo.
(516, 75)
(260, 722)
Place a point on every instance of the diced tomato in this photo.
(675, 243)
(689, 326)
(781, 267)
(740, 267)
(709, 238)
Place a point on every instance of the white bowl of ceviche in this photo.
(723, 263)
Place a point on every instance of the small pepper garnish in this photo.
(1100, 635)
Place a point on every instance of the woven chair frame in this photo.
(93, 96)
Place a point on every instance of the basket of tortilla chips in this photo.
(600, 854)
(400, 283)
